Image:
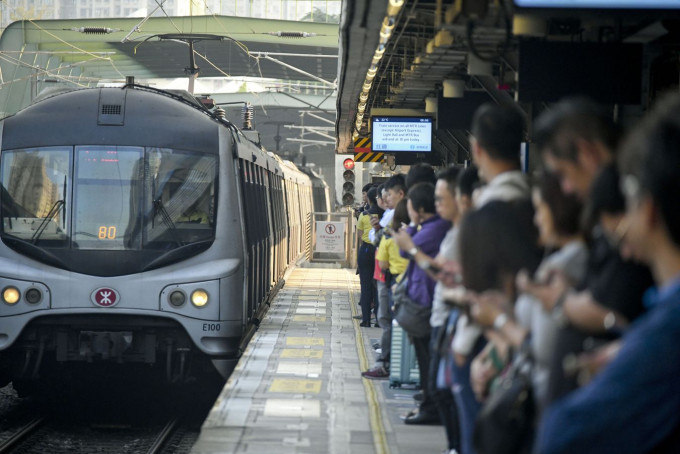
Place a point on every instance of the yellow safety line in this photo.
(374, 413)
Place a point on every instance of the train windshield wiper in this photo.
(159, 209)
(54, 211)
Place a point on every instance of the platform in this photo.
(298, 389)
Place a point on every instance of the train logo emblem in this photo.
(330, 229)
(105, 297)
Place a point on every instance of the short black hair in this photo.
(468, 181)
(605, 195)
(495, 242)
(396, 182)
(367, 187)
(565, 209)
(450, 176)
(499, 129)
(371, 195)
(420, 173)
(557, 130)
(651, 155)
(380, 190)
(422, 197)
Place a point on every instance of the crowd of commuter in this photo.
(552, 298)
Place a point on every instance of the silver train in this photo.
(138, 227)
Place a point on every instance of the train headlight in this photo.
(177, 298)
(33, 295)
(199, 298)
(11, 295)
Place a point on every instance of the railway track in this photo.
(20, 434)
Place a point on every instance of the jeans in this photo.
(443, 397)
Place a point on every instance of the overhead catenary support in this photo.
(266, 56)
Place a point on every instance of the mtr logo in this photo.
(105, 297)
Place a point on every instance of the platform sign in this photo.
(330, 237)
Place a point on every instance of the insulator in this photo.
(95, 30)
(282, 34)
(220, 113)
(248, 114)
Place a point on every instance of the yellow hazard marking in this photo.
(309, 318)
(300, 353)
(368, 157)
(305, 341)
(362, 142)
(295, 385)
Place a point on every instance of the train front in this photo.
(110, 251)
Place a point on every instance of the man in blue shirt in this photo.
(633, 405)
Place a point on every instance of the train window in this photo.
(35, 184)
(104, 196)
(131, 198)
(181, 200)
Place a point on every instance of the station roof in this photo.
(145, 55)
(298, 67)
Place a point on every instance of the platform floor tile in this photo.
(298, 389)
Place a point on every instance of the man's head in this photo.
(576, 138)
(420, 173)
(421, 202)
(364, 191)
(445, 194)
(650, 180)
(468, 181)
(394, 190)
(497, 133)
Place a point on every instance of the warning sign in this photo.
(330, 237)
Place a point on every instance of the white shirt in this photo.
(385, 220)
(504, 187)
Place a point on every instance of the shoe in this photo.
(376, 346)
(378, 350)
(377, 373)
(422, 417)
(365, 324)
(449, 451)
(418, 397)
(356, 317)
(376, 325)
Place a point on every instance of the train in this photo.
(139, 227)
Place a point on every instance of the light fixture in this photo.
(11, 295)
(453, 88)
(199, 298)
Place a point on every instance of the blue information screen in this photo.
(392, 134)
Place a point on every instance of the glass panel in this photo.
(108, 192)
(181, 200)
(34, 187)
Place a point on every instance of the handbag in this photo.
(505, 424)
(411, 316)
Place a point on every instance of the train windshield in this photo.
(108, 197)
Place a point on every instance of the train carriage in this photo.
(137, 227)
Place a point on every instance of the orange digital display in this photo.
(107, 232)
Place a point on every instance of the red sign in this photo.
(105, 297)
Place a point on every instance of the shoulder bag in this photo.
(411, 316)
